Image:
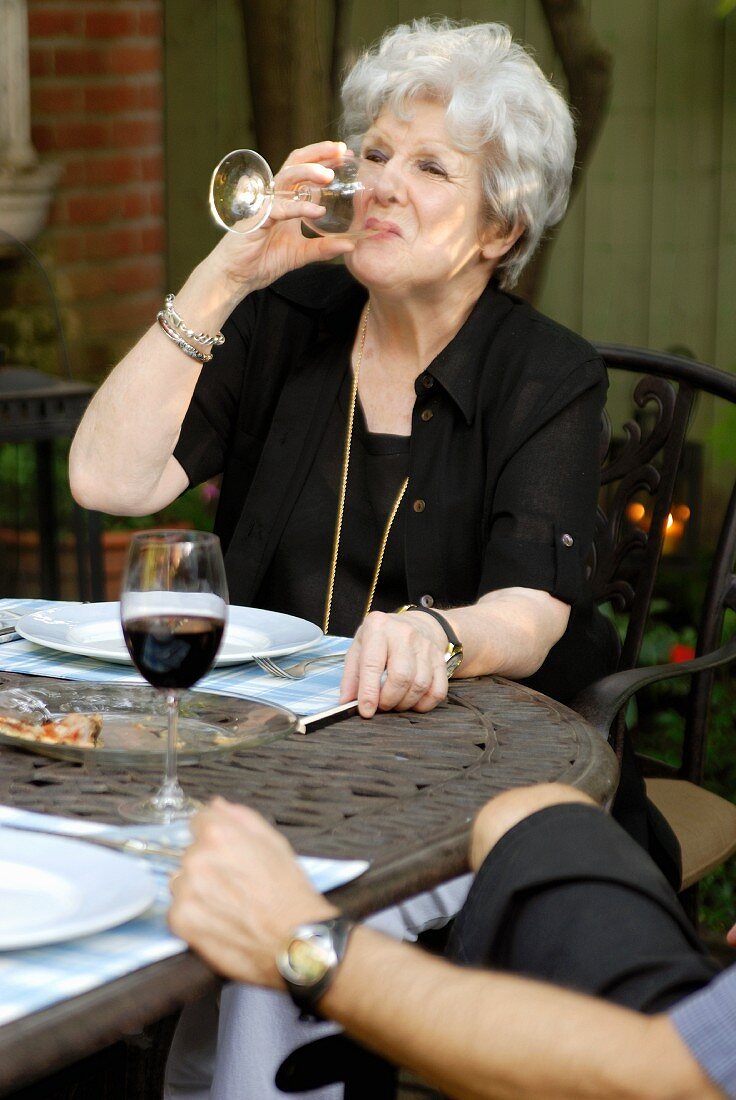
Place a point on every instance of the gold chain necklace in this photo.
(343, 491)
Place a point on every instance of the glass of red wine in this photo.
(173, 607)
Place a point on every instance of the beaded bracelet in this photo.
(176, 322)
(187, 348)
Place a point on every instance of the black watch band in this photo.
(454, 652)
(451, 635)
(306, 993)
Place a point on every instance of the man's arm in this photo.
(473, 1033)
(476, 1034)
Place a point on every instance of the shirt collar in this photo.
(458, 367)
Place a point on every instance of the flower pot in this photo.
(20, 563)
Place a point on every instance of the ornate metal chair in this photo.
(623, 570)
(704, 824)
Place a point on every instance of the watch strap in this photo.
(454, 653)
(451, 635)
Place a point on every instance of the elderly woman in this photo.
(395, 430)
(471, 469)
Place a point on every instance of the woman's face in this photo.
(426, 206)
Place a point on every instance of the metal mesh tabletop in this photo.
(399, 790)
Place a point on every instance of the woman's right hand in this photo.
(249, 261)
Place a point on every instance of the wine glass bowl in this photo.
(243, 191)
(345, 199)
(173, 609)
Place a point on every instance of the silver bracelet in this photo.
(188, 349)
(176, 322)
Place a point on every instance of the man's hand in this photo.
(239, 893)
(410, 649)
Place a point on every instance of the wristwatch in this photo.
(454, 651)
(309, 959)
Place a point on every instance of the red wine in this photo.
(173, 651)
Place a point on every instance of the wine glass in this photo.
(242, 194)
(173, 608)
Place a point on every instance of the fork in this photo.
(299, 670)
(8, 633)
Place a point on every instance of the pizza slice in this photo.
(73, 729)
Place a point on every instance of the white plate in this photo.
(93, 630)
(54, 889)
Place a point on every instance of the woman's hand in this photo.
(411, 652)
(254, 260)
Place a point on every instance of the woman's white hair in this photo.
(499, 105)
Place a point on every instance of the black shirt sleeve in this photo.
(544, 504)
(210, 422)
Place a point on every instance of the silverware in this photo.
(8, 633)
(299, 670)
(132, 845)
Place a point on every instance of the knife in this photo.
(132, 845)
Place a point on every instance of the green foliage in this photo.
(721, 436)
(18, 507)
(657, 720)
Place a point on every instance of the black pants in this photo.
(568, 897)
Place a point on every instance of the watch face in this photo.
(307, 957)
(309, 960)
(453, 662)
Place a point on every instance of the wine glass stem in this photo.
(171, 789)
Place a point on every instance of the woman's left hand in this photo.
(410, 651)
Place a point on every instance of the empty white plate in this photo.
(54, 889)
(94, 630)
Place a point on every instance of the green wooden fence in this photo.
(647, 254)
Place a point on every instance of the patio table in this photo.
(400, 790)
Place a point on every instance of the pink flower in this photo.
(210, 492)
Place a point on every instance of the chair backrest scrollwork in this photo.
(625, 560)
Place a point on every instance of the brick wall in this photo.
(96, 108)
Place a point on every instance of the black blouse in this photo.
(297, 577)
(503, 455)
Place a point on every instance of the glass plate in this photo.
(134, 723)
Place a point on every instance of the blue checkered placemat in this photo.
(318, 691)
(41, 976)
